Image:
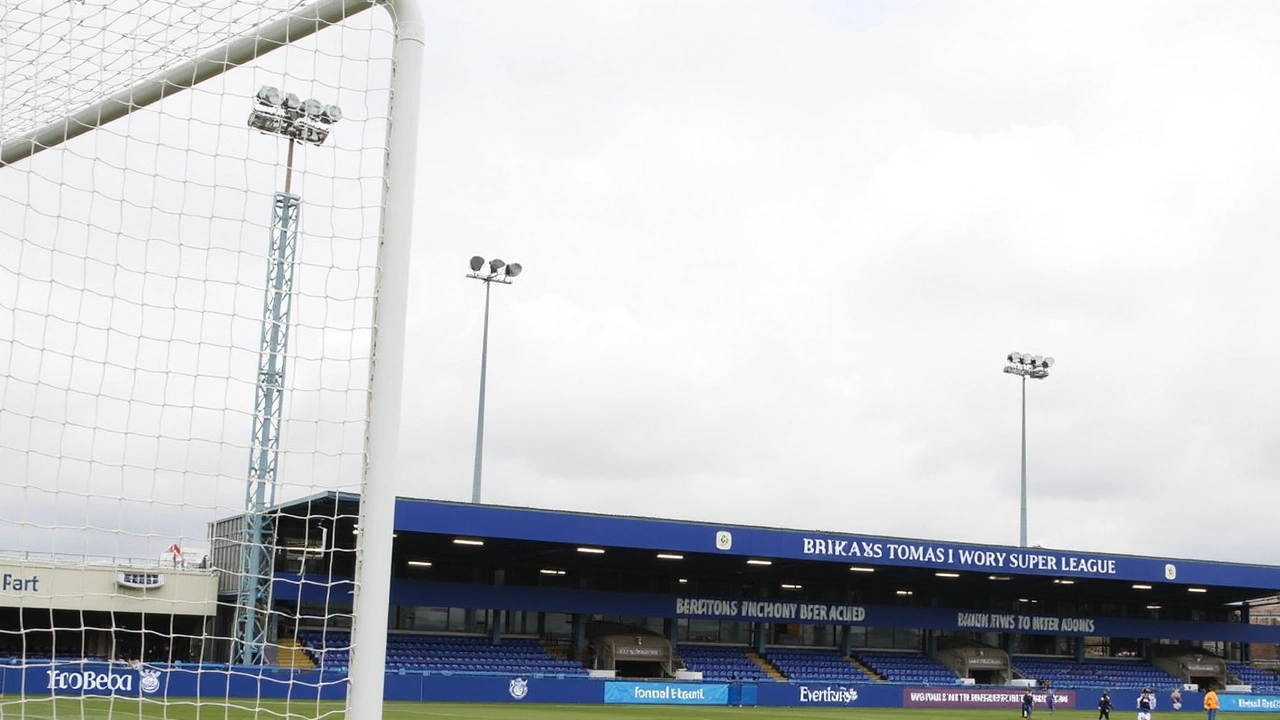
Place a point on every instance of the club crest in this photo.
(150, 680)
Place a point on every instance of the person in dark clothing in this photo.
(1104, 706)
(1027, 701)
(1146, 703)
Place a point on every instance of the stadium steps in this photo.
(766, 666)
(864, 669)
(292, 655)
(557, 648)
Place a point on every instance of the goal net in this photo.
(204, 225)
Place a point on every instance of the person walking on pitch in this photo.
(1146, 703)
(1104, 706)
(1211, 703)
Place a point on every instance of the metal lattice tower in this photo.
(254, 600)
(286, 115)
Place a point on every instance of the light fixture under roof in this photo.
(591, 550)
(789, 586)
(670, 556)
(1153, 607)
(946, 574)
(1140, 586)
(859, 568)
(1197, 590)
(759, 562)
(905, 592)
(467, 541)
(1064, 582)
(999, 577)
(420, 563)
(549, 571)
(683, 580)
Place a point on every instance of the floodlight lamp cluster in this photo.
(1026, 365)
(496, 270)
(278, 113)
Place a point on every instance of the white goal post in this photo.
(385, 360)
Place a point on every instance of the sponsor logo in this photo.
(666, 693)
(724, 540)
(842, 695)
(669, 692)
(1262, 703)
(149, 680)
(518, 688)
(1170, 571)
(88, 680)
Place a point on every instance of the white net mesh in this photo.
(61, 56)
(135, 280)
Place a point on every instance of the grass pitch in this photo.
(184, 709)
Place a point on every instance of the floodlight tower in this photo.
(498, 272)
(1037, 368)
(309, 121)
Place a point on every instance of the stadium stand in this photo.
(446, 653)
(1263, 681)
(907, 668)
(812, 664)
(1103, 672)
(721, 662)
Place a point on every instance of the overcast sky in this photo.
(775, 255)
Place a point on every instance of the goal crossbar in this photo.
(242, 49)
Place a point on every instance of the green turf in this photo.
(177, 709)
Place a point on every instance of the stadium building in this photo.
(111, 611)
(500, 594)
(503, 604)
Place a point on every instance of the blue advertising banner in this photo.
(965, 697)
(521, 689)
(821, 695)
(431, 516)
(568, 600)
(124, 680)
(1247, 703)
(659, 693)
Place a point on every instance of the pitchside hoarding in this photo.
(658, 693)
(181, 681)
(944, 697)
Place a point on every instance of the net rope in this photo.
(133, 270)
(61, 55)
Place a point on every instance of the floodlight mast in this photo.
(274, 113)
(277, 113)
(1037, 368)
(502, 273)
